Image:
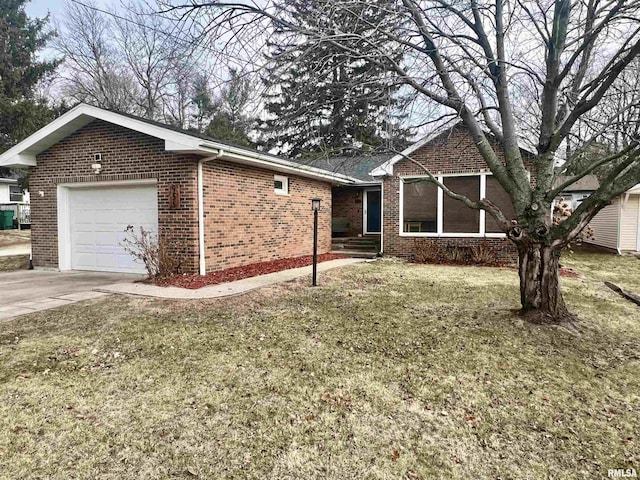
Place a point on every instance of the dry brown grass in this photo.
(385, 371)
(620, 269)
(14, 262)
(14, 237)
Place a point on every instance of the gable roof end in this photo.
(175, 140)
(386, 169)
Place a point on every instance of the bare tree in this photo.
(150, 53)
(92, 71)
(507, 67)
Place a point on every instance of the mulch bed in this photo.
(247, 271)
(569, 272)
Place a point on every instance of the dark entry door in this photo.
(373, 212)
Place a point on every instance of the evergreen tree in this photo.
(21, 112)
(321, 100)
(226, 113)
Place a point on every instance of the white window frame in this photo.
(20, 194)
(440, 217)
(285, 185)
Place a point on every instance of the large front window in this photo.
(457, 217)
(420, 206)
(427, 210)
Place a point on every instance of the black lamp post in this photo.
(315, 206)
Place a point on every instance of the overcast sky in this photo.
(39, 8)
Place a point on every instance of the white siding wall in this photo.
(605, 226)
(629, 224)
(4, 193)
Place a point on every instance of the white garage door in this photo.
(98, 218)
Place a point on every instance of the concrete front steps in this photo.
(356, 247)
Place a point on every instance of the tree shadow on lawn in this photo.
(387, 368)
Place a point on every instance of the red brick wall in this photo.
(347, 203)
(246, 222)
(452, 153)
(126, 155)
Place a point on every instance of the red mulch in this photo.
(569, 272)
(247, 271)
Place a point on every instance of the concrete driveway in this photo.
(31, 291)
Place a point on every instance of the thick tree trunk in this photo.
(540, 293)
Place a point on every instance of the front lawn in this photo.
(385, 371)
(623, 270)
(14, 262)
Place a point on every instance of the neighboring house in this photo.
(12, 197)
(575, 194)
(10, 191)
(617, 226)
(93, 172)
(397, 205)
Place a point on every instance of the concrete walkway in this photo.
(29, 291)
(11, 250)
(224, 289)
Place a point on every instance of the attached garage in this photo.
(92, 223)
(93, 172)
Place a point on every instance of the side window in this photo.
(15, 193)
(280, 185)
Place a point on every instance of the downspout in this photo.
(201, 262)
(381, 219)
(619, 225)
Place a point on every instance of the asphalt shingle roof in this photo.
(355, 166)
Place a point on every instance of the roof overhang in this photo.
(634, 190)
(386, 169)
(24, 153)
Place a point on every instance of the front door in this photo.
(372, 211)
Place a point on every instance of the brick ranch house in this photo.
(393, 204)
(93, 172)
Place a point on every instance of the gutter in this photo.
(270, 162)
(201, 247)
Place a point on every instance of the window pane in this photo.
(501, 198)
(278, 185)
(419, 206)
(15, 193)
(458, 218)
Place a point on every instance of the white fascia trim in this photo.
(277, 164)
(174, 142)
(386, 169)
(19, 156)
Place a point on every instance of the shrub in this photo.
(457, 254)
(485, 254)
(153, 251)
(431, 251)
(426, 251)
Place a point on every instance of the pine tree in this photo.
(228, 111)
(21, 112)
(320, 100)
